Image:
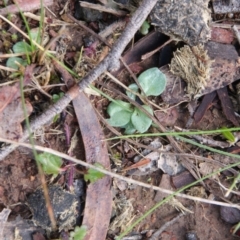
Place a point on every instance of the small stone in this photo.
(230, 215)
(64, 206)
(191, 236)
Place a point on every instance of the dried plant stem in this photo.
(115, 175)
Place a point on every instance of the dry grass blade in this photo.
(114, 175)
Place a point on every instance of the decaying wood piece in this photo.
(227, 106)
(182, 179)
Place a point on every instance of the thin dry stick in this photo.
(149, 54)
(110, 63)
(111, 174)
(223, 25)
(156, 235)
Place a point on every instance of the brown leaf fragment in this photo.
(174, 91)
(221, 35)
(227, 105)
(204, 106)
(98, 204)
(10, 93)
(141, 163)
(7, 94)
(168, 117)
(234, 150)
(11, 118)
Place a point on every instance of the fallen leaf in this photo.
(168, 117)
(141, 163)
(7, 94)
(11, 118)
(98, 204)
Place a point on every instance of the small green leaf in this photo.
(120, 119)
(56, 117)
(145, 28)
(120, 113)
(93, 175)
(22, 47)
(134, 88)
(56, 97)
(129, 128)
(228, 135)
(11, 62)
(117, 106)
(140, 120)
(14, 37)
(35, 35)
(79, 233)
(152, 81)
(50, 163)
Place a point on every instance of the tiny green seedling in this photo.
(22, 47)
(14, 37)
(56, 97)
(79, 233)
(145, 28)
(124, 115)
(229, 136)
(93, 175)
(51, 164)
